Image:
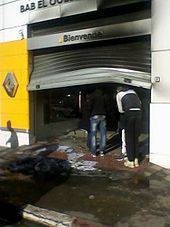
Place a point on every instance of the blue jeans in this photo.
(97, 122)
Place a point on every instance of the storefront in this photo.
(53, 52)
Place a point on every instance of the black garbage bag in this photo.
(23, 166)
(52, 165)
(40, 164)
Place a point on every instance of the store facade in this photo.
(53, 51)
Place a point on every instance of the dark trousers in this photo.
(132, 120)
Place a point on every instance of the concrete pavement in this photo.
(120, 196)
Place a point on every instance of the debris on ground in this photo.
(40, 165)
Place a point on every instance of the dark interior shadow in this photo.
(143, 149)
(24, 191)
(29, 178)
(13, 140)
(113, 143)
(9, 213)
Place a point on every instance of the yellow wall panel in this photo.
(16, 120)
(12, 62)
(23, 77)
(18, 106)
(13, 48)
(14, 58)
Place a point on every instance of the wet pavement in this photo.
(90, 191)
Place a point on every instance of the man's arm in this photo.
(119, 103)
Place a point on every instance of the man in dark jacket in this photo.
(97, 121)
(129, 105)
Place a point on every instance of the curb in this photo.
(53, 218)
(46, 217)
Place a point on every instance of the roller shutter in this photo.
(127, 63)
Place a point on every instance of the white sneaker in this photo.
(93, 155)
(136, 162)
(101, 153)
(129, 164)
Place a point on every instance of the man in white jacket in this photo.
(129, 105)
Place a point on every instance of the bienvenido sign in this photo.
(41, 4)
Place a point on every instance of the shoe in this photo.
(121, 157)
(125, 156)
(136, 162)
(129, 164)
(93, 155)
(101, 153)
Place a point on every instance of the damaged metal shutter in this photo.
(128, 63)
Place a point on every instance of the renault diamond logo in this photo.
(10, 84)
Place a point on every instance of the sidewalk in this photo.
(135, 197)
(151, 210)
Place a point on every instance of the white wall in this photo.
(161, 68)
(15, 139)
(15, 15)
(160, 135)
(13, 24)
(160, 95)
(161, 50)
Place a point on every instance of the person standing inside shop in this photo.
(85, 120)
(97, 122)
(129, 105)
